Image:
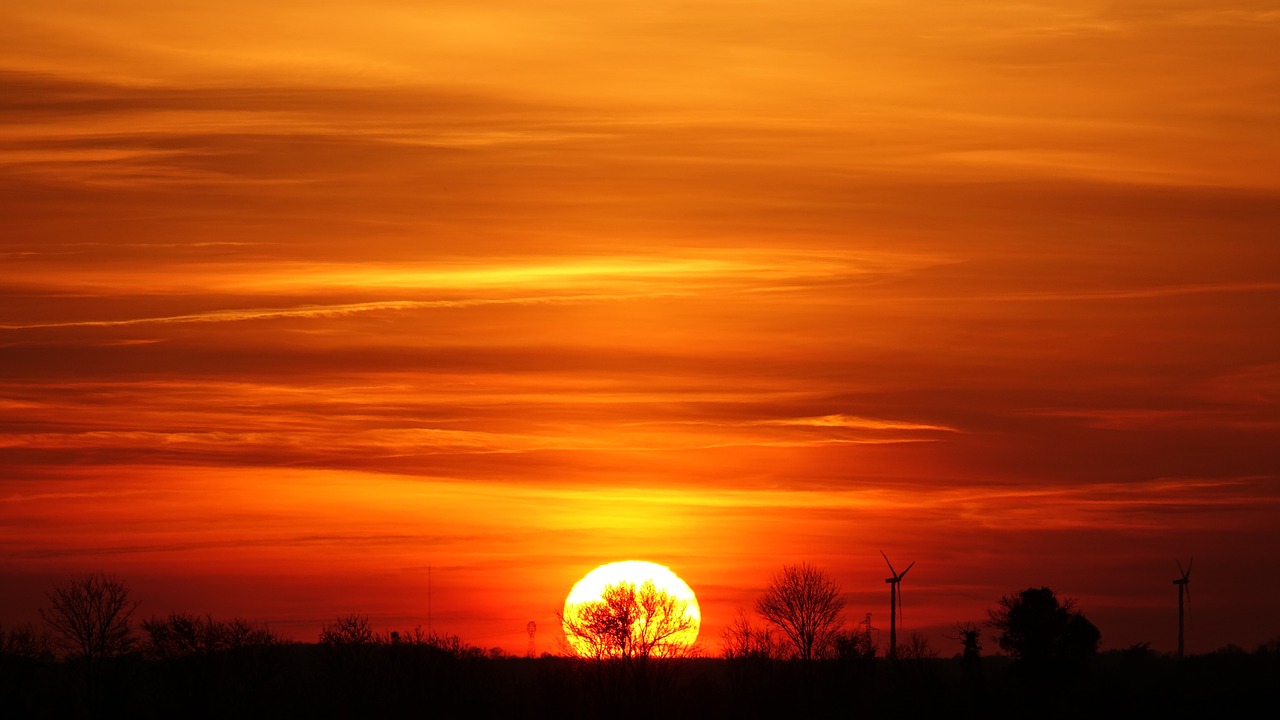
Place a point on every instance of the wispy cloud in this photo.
(313, 311)
(1162, 418)
(853, 422)
(1143, 293)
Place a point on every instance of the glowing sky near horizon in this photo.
(297, 301)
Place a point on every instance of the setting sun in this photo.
(658, 610)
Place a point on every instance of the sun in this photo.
(591, 589)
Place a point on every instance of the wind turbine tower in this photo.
(895, 602)
(1184, 598)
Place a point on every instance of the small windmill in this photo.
(895, 602)
(1184, 597)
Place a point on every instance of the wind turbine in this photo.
(895, 602)
(1184, 591)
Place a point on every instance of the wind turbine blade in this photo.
(886, 562)
(1181, 572)
(1187, 575)
(904, 572)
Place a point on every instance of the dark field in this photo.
(383, 680)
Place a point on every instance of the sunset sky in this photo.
(299, 300)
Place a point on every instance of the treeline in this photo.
(92, 661)
(410, 680)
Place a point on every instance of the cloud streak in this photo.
(315, 311)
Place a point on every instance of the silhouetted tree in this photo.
(239, 633)
(855, 645)
(917, 647)
(24, 653)
(1270, 647)
(24, 643)
(631, 622)
(182, 634)
(353, 668)
(352, 629)
(741, 640)
(970, 640)
(179, 635)
(451, 645)
(1042, 632)
(805, 604)
(92, 614)
(623, 632)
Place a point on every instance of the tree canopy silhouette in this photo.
(743, 640)
(1042, 632)
(805, 604)
(91, 614)
(91, 617)
(183, 634)
(629, 622)
(353, 629)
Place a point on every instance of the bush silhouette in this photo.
(1041, 631)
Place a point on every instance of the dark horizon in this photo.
(204, 667)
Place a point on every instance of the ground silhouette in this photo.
(193, 666)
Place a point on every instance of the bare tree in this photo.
(742, 640)
(624, 632)
(631, 623)
(352, 629)
(855, 644)
(182, 634)
(91, 614)
(970, 638)
(91, 617)
(917, 648)
(805, 604)
(239, 633)
(24, 643)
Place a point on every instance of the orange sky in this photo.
(298, 301)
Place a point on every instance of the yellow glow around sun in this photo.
(592, 586)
